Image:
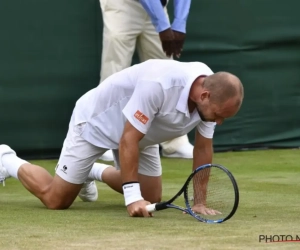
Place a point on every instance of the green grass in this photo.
(269, 183)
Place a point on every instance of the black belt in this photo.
(163, 2)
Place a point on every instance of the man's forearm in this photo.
(181, 12)
(129, 153)
(201, 157)
(157, 14)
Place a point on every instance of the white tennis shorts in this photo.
(78, 156)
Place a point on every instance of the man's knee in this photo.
(151, 188)
(59, 194)
(52, 201)
(58, 205)
(152, 193)
(153, 198)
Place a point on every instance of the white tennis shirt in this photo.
(152, 96)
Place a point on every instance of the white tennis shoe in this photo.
(3, 175)
(89, 191)
(107, 156)
(184, 151)
(4, 149)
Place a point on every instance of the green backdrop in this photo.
(50, 55)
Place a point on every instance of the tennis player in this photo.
(144, 26)
(131, 112)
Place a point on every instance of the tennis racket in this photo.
(210, 194)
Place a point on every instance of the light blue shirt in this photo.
(159, 19)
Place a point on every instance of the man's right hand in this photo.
(202, 209)
(138, 209)
(167, 41)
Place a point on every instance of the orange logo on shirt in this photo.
(141, 117)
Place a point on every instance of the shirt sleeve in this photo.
(157, 14)
(206, 129)
(143, 105)
(181, 12)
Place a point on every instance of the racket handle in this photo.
(151, 208)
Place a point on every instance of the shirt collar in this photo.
(182, 104)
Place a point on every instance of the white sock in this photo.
(12, 163)
(97, 170)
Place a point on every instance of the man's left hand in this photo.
(179, 41)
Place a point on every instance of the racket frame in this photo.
(168, 204)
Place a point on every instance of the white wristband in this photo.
(132, 193)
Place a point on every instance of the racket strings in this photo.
(210, 194)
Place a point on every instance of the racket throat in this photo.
(161, 206)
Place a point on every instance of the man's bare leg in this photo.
(151, 187)
(55, 193)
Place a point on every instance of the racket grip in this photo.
(151, 208)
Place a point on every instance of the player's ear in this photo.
(205, 95)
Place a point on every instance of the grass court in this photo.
(269, 184)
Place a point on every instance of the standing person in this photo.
(131, 112)
(144, 25)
